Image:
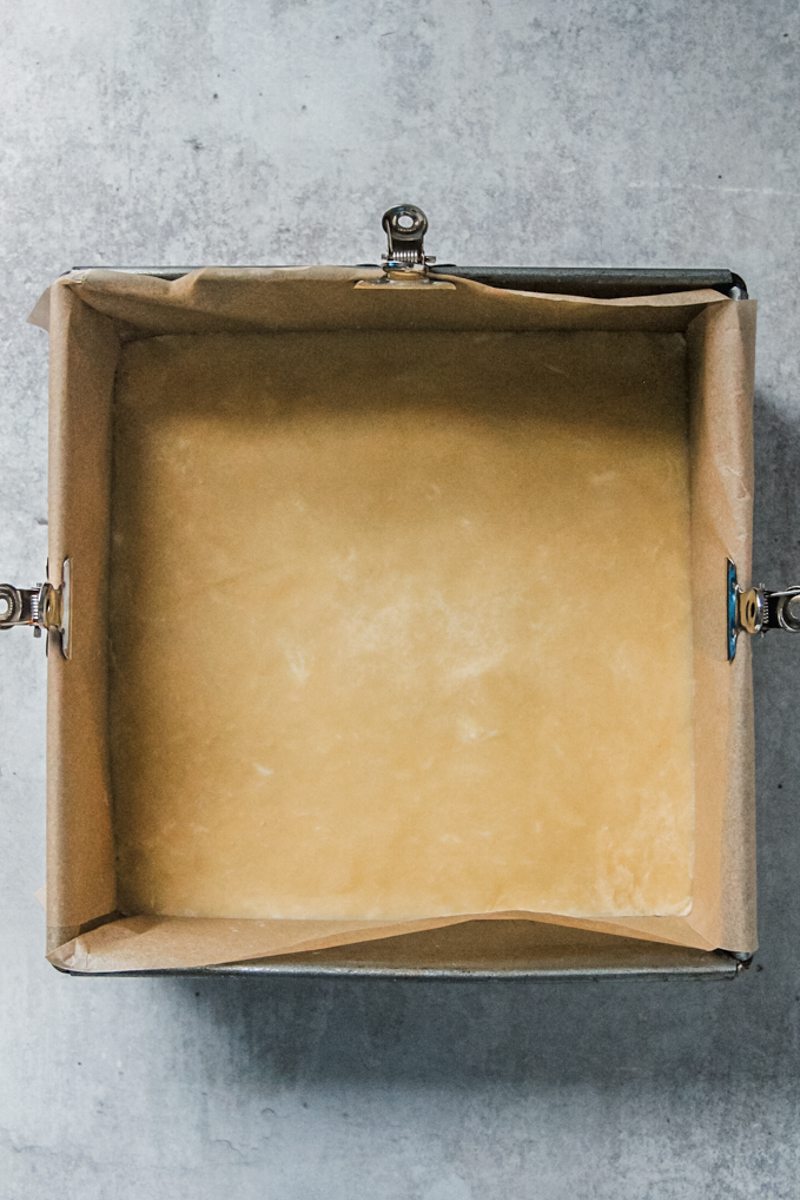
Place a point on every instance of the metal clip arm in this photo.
(760, 610)
(22, 606)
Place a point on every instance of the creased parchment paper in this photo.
(94, 319)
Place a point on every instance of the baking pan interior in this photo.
(401, 625)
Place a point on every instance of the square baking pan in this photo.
(93, 312)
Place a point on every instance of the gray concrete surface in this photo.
(661, 133)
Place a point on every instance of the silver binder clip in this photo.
(405, 226)
(757, 609)
(41, 607)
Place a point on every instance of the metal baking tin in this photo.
(497, 949)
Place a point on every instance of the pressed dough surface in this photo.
(401, 625)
